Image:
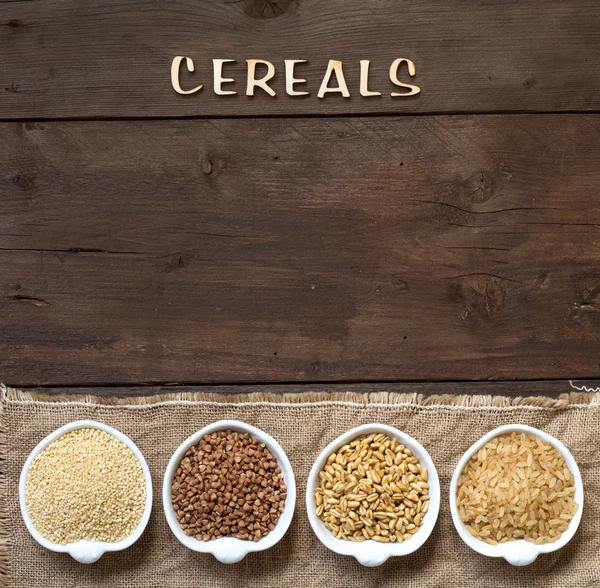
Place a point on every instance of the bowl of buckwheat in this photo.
(229, 490)
(85, 490)
(373, 493)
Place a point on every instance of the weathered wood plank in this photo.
(111, 58)
(300, 250)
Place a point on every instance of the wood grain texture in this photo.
(461, 247)
(111, 58)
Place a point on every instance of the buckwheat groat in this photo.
(228, 484)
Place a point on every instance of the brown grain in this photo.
(516, 487)
(229, 484)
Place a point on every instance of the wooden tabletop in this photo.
(432, 243)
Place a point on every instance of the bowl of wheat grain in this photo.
(373, 493)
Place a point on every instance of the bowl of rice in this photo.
(515, 494)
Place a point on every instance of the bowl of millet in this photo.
(229, 490)
(373, 493)
(515, 494)
(85, 490)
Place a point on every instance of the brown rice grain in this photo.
(516, 487)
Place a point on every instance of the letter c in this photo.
(175, 66)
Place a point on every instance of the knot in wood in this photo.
(482, 296)
(266, 8)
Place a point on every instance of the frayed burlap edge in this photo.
(5, 531)
(567, 400)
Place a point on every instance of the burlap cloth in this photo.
(303, 425)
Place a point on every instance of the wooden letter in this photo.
(262, 83)
(218, 76)
(364, 79)
(290, 80)
(175, 74)
(394, 77)
(334, 66)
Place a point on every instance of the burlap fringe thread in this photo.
(570, 399)
(5, 539)
(8, 395)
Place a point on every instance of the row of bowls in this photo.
(368, 553)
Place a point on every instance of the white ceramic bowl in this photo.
(86, 551)
(519, 552)
(371, 553)
(230, 549)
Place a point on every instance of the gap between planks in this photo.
(299, 116)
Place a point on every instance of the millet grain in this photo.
(85, 485)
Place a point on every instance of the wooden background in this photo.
(148, 238)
